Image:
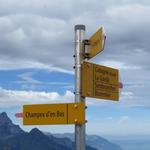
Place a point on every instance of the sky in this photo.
(36, 65)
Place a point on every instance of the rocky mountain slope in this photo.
(12, 137)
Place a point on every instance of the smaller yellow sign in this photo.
(46, 114)
(97, 42)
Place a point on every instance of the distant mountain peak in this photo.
(7, 128)
(36, 131)
(4, 119)
(13, 137)
(3, 114)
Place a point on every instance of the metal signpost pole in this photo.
(79, 129)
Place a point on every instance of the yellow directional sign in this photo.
(46, 114)
(97, 42)
(99, 81)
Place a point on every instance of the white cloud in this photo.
(27, 78)
(5, 64)
(10, 98)
(119, 65)
(35, 34)
(127, 95)
(28, 82)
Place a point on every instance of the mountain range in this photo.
(12, 137)
(93, 140)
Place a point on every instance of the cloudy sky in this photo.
(36, 65)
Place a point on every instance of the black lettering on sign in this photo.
(101, 71)
(60, 114)
(112, 74)
(50, 114)
(34, 115)
(27, 114)
(98, 93)
(105, 87)
(101, 78)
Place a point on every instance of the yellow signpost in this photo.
(96, 42)
(91, 80)
(46, 114)
(99, 81)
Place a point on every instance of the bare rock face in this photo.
(12, 137)
(7, 128)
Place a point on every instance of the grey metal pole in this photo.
(79, 129)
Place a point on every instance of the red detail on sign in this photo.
(19, 115)
(120, 85)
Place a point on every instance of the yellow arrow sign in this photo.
(99, 81)
(46, 114)
(97, 41)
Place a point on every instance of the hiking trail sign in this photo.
(46, 114)
(97, 42)
(99, 81)
(91, 80)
